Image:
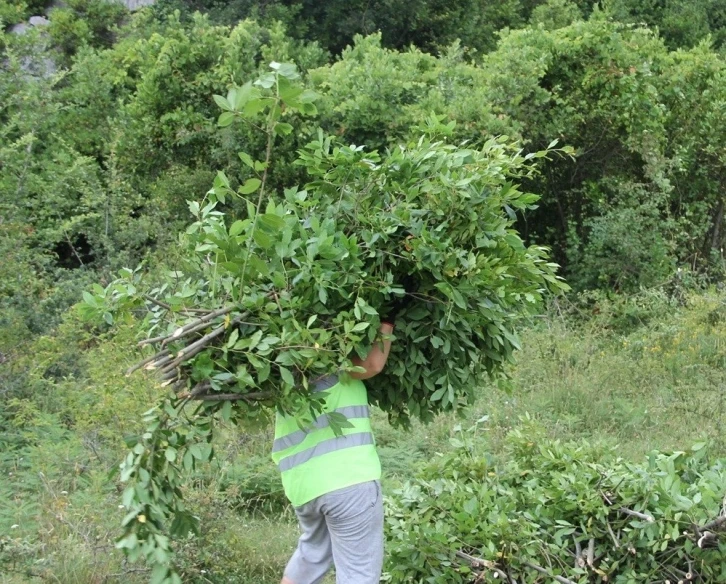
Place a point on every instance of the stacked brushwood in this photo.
(567, 513)
(423, 235)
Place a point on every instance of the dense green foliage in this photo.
(99, 157)
(554, 509)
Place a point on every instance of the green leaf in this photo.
(255, 106)
(287, 376)
(283, 129)
(201, 451)
(226, 411)
(250, 186)
(246, 159)
(158, 574)
(236, 228)
(263, 239)
(271, 223)
(225, 119)
(222, 102)
(438, 394)
(286, 70)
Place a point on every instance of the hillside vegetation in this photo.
(103, 160)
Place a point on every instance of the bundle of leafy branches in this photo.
(291, 291)
(556, 512)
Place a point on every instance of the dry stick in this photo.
(541, 570)
(151, 341)
(138, 366)
(643, 516)
(591, 552)
(689, 574)
(254, 396)
(479, 562)
(160, 363)
(205, 319)
(184, 331)
(172, 374)
(170, 309)
(715, 524)
(615, 539)
(578, 553)
(189, 352)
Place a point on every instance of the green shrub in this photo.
(555, 14)
(12, 12)
(82, 23)
(629, 246)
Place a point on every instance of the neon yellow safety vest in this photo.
(315, 461)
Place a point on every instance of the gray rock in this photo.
(20, 28)
(133, 5)
(39, 21)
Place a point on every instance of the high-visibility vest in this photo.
(314, 461)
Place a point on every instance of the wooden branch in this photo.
(151, 341)
(643, 516)
(179, 385)
(171, 309)
(173, 374)
(204, 319)
(482, 563)
(184, 331)
(254, 396)
(138, 366)
(541, 570)
(196, 347)
(579, 563)
(708, 540)
(160, 363)
(615, 539)
(591, 552)
(714, 525)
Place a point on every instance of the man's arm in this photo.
(375, 361)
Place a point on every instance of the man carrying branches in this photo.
(334, 481)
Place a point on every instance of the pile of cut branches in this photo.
(555, 512)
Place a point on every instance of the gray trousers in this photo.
(345, 528)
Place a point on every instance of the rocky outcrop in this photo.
(133, 5)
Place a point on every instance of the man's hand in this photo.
(376, 359)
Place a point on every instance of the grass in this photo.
(639, 376)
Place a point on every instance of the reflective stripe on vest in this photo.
(321, 422)
(325, 383)
(326, 447)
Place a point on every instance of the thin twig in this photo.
(138, 366)
(591, 552)
(643, 516)
(254, 396)
(482, 563)
(196, 347)
(615, 539)
(171, 309)
(715, 524)
(541, 570)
